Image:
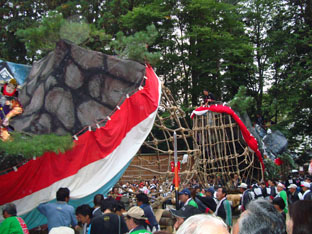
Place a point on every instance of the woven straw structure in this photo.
(214, 145)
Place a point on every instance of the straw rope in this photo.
(214, 145)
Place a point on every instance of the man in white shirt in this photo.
(307, 195)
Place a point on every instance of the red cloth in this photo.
(278, 161)
(91, 146)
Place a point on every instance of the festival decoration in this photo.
(278, 161)
(101, 153)
(9, 107)
(218, 143)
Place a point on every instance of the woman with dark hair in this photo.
(300, 218)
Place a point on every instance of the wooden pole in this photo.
(176, 176)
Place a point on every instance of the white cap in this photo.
(62, 230)
(135, 212)
(243, 185)
(281, 185)
(292, 186)
(305, 184)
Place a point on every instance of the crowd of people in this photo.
(200, 209)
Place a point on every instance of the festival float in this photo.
(106, 104)
(111, 109)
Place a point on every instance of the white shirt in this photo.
(187, 202)
(95, 210)
(305, 193)
(218, 206)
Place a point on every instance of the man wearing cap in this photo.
(12, 223)
(307, 195)
(281, 193)
(135, 221)
(209, 200)
(246, 197)
(186, 199)
(293, 194)
(184, 213)
(209, 192)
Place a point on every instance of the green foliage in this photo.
(219, 45)
(288, 160)
(241, 103)
(290, 56)
(135, 47)
(42, 36)
(75, 30)
(271, 169)
(35, 145)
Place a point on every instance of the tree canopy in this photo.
(221, 45)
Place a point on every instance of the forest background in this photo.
(222, 45)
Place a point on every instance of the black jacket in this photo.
(308, 196)
(292, 198)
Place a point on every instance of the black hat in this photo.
(185, 212)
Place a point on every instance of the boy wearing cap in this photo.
(307, 195)
(135, 221)
(186, 199)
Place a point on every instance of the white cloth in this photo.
(310, 168)
(258, 191)
(187, 202)
(218, 206)
(95, 210)
(305, 193)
